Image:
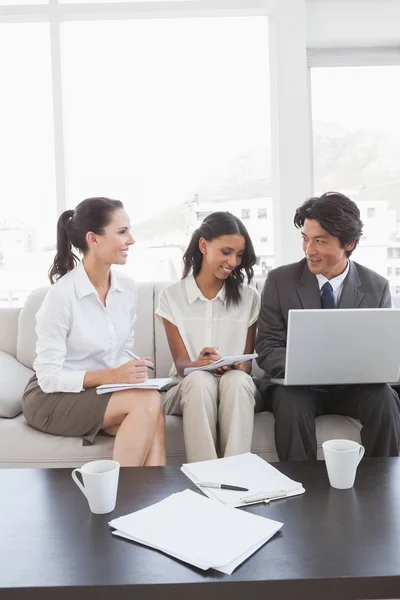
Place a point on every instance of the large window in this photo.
(27, 180)
(170, 116)
(357, 152)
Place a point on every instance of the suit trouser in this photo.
(377, 406)
(203, 399)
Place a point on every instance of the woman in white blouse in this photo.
(207, 315)
(83, 327)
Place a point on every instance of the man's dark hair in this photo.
(336, 213)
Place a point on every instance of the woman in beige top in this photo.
(209, 314)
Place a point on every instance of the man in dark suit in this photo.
(331, 228)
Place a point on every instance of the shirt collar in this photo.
(84, 287)
(193, 291)
(335, 282)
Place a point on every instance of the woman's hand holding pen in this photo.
(207, 356)
(133, 371)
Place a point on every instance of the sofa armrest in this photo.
(9, 330)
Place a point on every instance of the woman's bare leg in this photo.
(137, 414)
(112, 430)
(157, 457)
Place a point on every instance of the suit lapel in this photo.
(351, 295)
(308, 292)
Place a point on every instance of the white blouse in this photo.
(77, 333)
(202, 322)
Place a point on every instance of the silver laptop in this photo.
(342, 346)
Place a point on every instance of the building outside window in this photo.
(262, 213)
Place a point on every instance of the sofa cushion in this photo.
(21, 446)
(163, 355)
(144, 326)
(327, 427)
(9, 329)
(26, 339)
(13, 379)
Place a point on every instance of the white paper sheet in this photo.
(195, 530)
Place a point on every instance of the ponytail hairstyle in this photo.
(92, 214)
(214, 226)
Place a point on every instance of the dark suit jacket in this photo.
(294, 286)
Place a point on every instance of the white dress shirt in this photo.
(336, 283)
(77, 333)
(202, 322)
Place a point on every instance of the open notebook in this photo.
(248, 470)
(149, 384)
(227, 361)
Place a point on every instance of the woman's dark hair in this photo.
(214, 226)
(336, 213)
(92, 214)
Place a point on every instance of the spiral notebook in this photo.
(149, 384)
(227, 361)
(263, 481)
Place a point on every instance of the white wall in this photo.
(352, 23)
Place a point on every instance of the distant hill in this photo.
(365, 162)
(246, 176)
(356, 160)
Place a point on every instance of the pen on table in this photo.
(222, 486)
(136, 357)
(208, 353)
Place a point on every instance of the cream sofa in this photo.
(22, 446)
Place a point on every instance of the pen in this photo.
(136, 357)
(264, 497)
(208, 353)
(222, 486)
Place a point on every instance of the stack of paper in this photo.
(197, 531)
(227, 361)
(263, 481)
(149, 384)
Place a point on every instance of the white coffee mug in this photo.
(342, 458)
(100, 484)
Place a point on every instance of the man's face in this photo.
(323, 251)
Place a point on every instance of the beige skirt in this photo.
(68, 414)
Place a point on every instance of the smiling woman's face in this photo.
(112, 246)
(223, 254)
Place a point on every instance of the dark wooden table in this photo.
(334, 544)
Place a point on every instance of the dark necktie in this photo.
(327, 301)
(327, 297)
